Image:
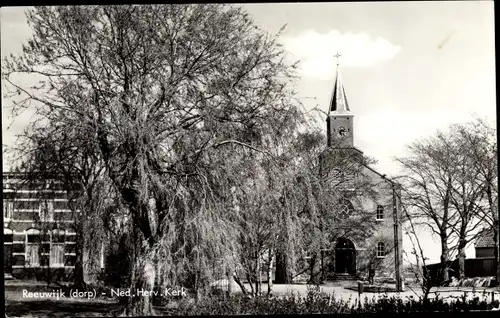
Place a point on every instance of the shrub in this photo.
(319, 302)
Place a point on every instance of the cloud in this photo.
(315, 51)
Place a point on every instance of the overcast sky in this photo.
(408, 68)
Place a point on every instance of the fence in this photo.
(480, 267)
(474, 267)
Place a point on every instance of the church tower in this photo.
(340, 119)
(360, 190)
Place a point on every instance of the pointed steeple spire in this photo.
(339, 104)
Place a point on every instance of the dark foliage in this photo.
(318, 302)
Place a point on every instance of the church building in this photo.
(377, 251)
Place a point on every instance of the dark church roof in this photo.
(339, 104)
(485, 239)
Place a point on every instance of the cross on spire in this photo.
(337, 56)
(339, 103)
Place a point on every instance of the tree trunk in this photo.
(142, 277)
(242, 286)
(311, 268)
(315, 269)
(90, 256)
(229, 278)
(283, 275)
(250, 283)
(322, 278)
(444, 258)
(461, 259)
(270, 272)
(78, 273)
(257, 275)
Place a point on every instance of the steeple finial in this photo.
(338, 57)
(339, 104)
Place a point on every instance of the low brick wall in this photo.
(42, 274)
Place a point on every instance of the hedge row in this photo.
(318, 302)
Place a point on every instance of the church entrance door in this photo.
(345, 257)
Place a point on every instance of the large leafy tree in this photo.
(161, 94)
(324, 204)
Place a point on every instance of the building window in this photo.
(380, 212)
(26, 204)
(381, 250)
(57, 248)
(8, 207)
(47, 211)
(7, 236)
(33, 248)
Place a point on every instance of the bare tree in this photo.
(420, 270)
(466, 198)
(477, 194)
(427, 190)
(160, 92)
(448, 182)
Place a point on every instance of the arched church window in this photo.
(380, 212)
(346, 208)
(381, 249)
